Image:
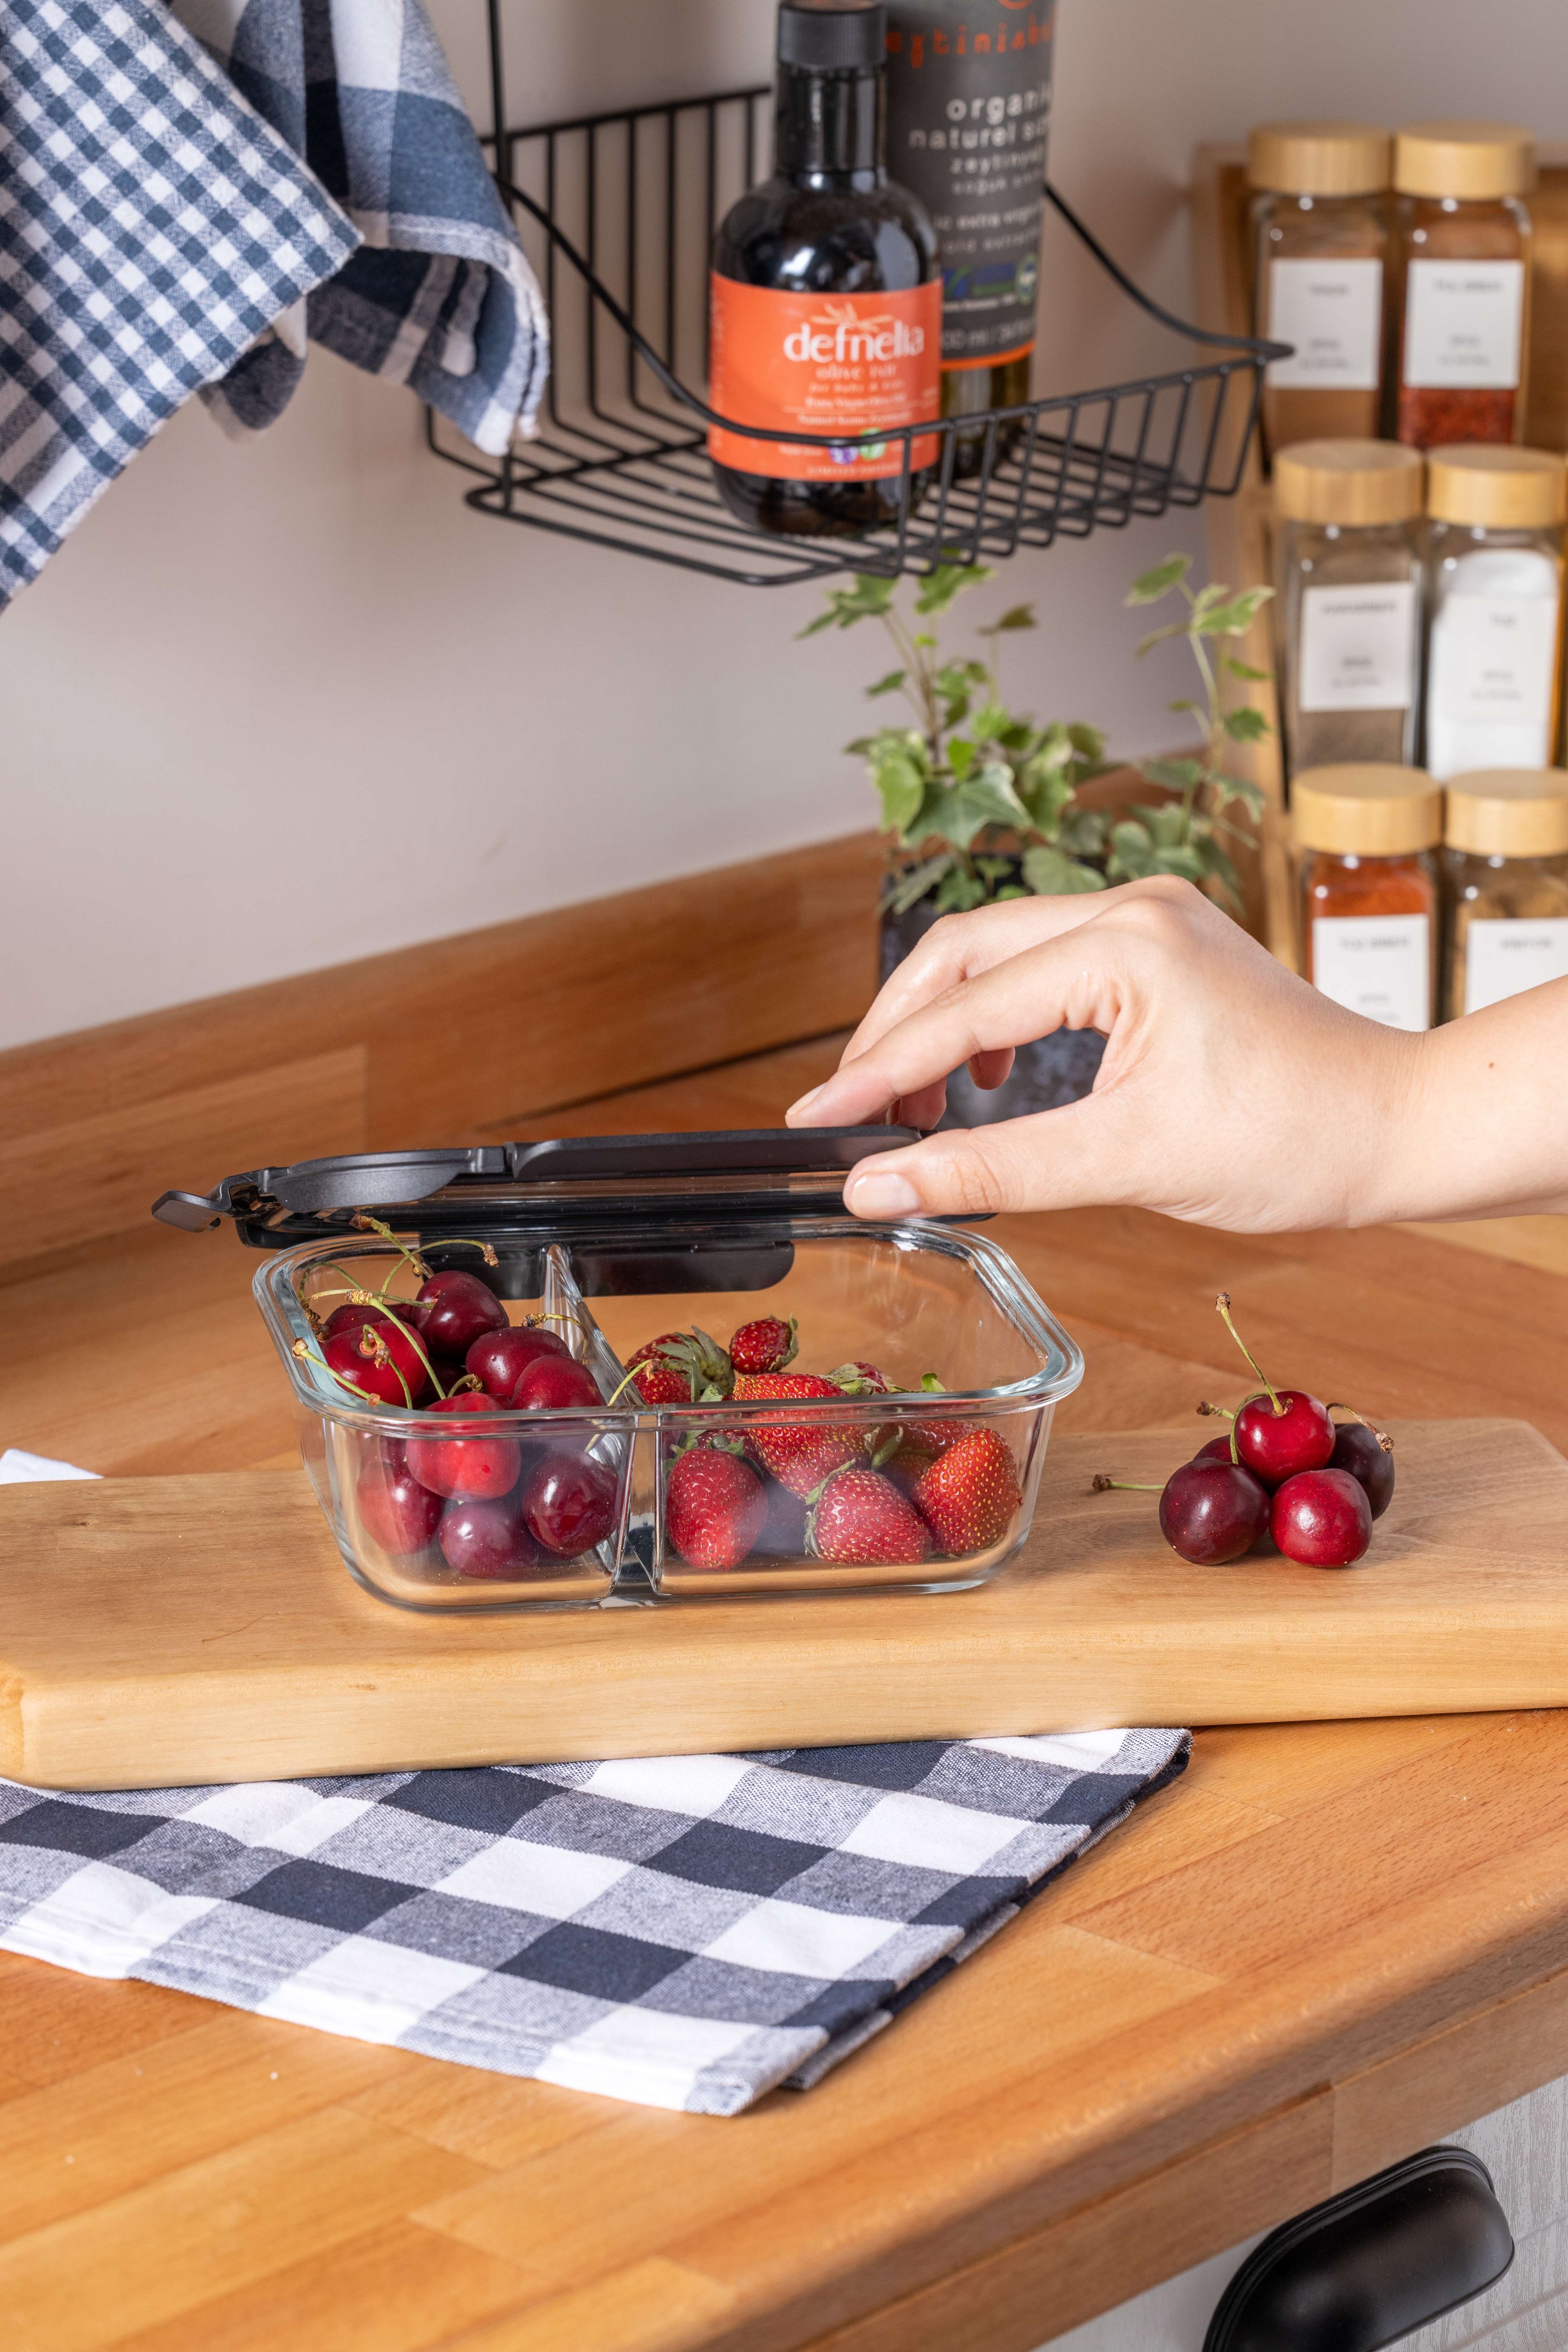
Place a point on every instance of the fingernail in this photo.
(798, 1109)
(881, 1194)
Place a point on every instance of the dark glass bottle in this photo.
(827, 299)
(969, 98)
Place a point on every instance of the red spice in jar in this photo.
(1431, 418)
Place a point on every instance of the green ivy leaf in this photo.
(1170, 826)
(1132, 852)
(1235, 788)
(1244, 669)
(1246, 725)
(960, 891)
(961, 754)
(868, 599)
(986, 798)
(1219, 868)
(1011, 890)
(1050, 875)
(1083, 833)
(902, 789)
(1158, 637)
(1234, 620)
(989, 721)
(948, 581)
(995, 870)
(1020, 616)
(906, 888)
(1176, 775)
(1045, 791)
(888, 685)
(1150, 586)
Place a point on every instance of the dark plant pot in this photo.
(1047, 1074)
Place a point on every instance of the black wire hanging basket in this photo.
(618, 211)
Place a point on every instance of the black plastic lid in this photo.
(833, 35)
(728, 1174)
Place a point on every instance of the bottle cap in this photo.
(1349, 481)
(1492, 486)
(1319, 159)
(1368, 809)
(1509, 813)
(833, 35)
(1464, 159)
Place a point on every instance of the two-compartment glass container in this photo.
(610, 1243)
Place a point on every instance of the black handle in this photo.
(1372, 2264)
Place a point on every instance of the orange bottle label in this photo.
(856, 364)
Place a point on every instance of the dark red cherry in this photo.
(474, 1467)
(555, 1384)
(569, 1503)
(378, 1357)
(352, 1314)
(500, 1359)
(1276, 1446)
(396, 1511)
(461, 1307)
(1357, 1450)
(1321, 1518)
(1211, 1512)
(487, 1538)
(1216, 1450)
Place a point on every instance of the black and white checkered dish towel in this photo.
(439, 296)
(686, 1931)
(152, 227)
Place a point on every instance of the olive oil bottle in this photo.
(969, 95)
(826, 300)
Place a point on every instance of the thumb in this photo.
(1060, 1159)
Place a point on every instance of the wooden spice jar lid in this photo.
(1319, 159)
(1493, 486)
(1349, 482)
(1474, 160)
(1366, 809)
(1509, 813)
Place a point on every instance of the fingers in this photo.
(1028, 997)
(1052, 1160)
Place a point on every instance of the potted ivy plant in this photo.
(980, 803)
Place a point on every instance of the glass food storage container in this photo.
(1459, 331)
(915, 1467)
(1348, 571)
(1505, 879)
(1320, 231)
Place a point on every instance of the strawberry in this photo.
(861, 1518)
(765, 1346)
(714, 1507)
(970, 1492)
(699, 1367)
(797, 1452)
(908, 1463)
(876, 1437)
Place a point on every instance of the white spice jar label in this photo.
(1378, 965)
(1332, 312)
(1494, 659)
(1503, 956)
(1462, 323)
(1358, 648)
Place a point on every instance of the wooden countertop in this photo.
(1328, 1945)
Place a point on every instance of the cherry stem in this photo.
(1382, 1436)
(377, 1298)
(1217, 1412)
(302, 1348)
(374, 1348)
(1103, 1485)
(1222, 1303)
(373, 1225)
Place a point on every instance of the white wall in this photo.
(279, 705)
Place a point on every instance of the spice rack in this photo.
(618, 212)
(1241, 529)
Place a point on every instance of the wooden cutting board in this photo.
(165, 1631)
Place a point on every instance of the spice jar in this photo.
(1320, 243)
(1505, 875)
(1494, 593)
(1348, 571)
(1461, 294)
(1366, 838)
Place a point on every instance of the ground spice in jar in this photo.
(1494, 562)
(1366, 837)
(1320, 240)
(1505, 878)
(1348, 571)
(1461, 266)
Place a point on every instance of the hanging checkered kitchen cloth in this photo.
(686, 1931)
(439, 296)
(151, 226)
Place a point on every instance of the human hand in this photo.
(1231, 1094)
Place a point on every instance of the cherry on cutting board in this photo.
(461, 1307)
(500, 1359)
(1213, 1511)
(1281, 1432)
(1368, 1456)
(488, 1538)
(569, 1503)
(1322, 1518)
(396, 1511)
(474, 1468)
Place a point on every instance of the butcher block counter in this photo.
(1325, 1947)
